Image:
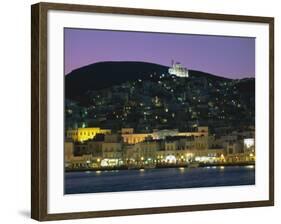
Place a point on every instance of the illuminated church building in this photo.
(178, 70)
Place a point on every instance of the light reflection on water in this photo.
(151, 179)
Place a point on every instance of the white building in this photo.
(178, 70)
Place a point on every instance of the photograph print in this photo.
(156, 111)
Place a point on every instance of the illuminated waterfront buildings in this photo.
(158, 148)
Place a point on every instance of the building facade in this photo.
(84, 134)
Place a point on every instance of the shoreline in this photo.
(159, 166)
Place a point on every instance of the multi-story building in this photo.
(95, 148)
(72, 161)
(240, 151)
(135, 138)
(130, 137)
(68, 150)
(234, 147)
(84, 134)
(112, 147)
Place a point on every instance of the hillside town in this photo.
(178, 118)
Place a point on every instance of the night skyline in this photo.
(231, 57)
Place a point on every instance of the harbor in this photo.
(157, 179)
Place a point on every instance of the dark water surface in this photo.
(152, 179)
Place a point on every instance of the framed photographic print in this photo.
(139, 111)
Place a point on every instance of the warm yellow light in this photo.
(84, 134)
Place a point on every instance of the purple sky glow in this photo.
(231, 57)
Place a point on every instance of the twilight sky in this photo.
(231, 57)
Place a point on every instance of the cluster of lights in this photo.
(209, 159)
(170, 159)
(249, 142)
(110, 162)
